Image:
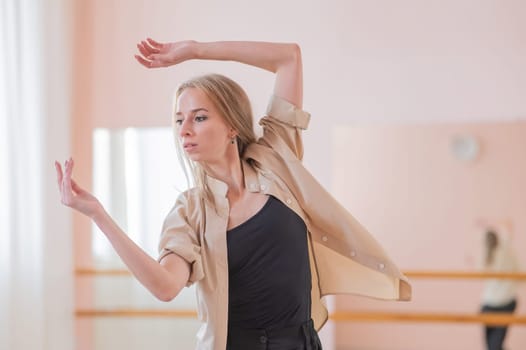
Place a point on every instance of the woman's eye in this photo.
(200, 118)
(178, 121)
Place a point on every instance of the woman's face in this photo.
(205, 136)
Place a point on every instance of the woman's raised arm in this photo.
(283, 59)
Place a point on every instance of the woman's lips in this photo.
(189, 146)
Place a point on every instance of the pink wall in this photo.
(387, 61)
(81, 141)
(405, 185)
(365, 61)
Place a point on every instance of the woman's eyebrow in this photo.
(193, 111)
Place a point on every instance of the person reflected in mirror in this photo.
(499, 294)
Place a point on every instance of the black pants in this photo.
(495, 335)
(302, 337)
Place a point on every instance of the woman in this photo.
(499, 294)
(260, 237)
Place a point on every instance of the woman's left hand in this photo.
(72, 195)
(154, 54)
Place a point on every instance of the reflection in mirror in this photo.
(137, 178)
(428, 192)
(429, 185)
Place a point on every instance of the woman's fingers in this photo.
(58, 169)
(71, 194)
(153, 63)
(65, 185)
(67, 167)
(154, 43)
(67, 193)
(142, 61)
(146, 49)
(143, 49)
(151, 47)
(149, 50)
(143, 58)
(76, 188)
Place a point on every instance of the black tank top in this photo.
(268, 270)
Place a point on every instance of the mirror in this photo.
(137, 178)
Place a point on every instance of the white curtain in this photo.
(36, 283)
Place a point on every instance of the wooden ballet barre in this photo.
(496, 319)
(408, 273)
(489, 319)
(464, 274)
(137, 313)
(101, 272)
(341, 316)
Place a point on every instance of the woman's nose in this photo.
(184, 129)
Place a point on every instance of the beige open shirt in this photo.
(344, 257)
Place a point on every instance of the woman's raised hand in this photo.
(154, 54)
(71, 194)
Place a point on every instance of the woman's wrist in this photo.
(99, 213)
(198, 49)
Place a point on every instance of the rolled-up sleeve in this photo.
(287, 113)
(282, 127)
(179, 237)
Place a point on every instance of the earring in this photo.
(232, 140)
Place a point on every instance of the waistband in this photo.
(302, 336)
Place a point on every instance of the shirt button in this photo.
(263, 339)
(381, 266)
(289, 201)
(324, 238)
(263, 187)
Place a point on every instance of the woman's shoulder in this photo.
(186, 213)
(186, 203)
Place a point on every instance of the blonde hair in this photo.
(234, 106)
